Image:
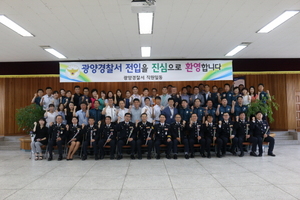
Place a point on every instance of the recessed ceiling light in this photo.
(146, 51)
(279, 20)
(145, 23)
(15, 27)
(238, 48)
(53, 52)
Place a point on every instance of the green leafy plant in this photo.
(25, 117)
(265, 106)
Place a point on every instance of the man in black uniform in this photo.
(107, 136)
(162, 136)
(57, 133)
(226, 131)
(90, 135)
(244, 133)
(261, 131)
(196, 135)
(144, 135)
(211, 135)
(127, 136)
(179, 136)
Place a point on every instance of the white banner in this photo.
(142, 71)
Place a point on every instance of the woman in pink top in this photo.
(252, 93)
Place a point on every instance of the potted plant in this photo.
(265, 106)
(25, 117)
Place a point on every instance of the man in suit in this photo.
(90, 133)
(211, 136)
(179, 136)
(163, 136)
(170, 111)
(57, 134)
(107, 136)
(244, 133)
(206, 94)
(261, 131)
(196, 95)
(196, 135)
(144, 131)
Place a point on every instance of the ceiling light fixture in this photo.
(146, 51)
(145, 21)
(53, 52)
(15, 27)
(238, 48)
(279, 20)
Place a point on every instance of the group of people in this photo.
(146, 121)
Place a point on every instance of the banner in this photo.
(142, 71)
(238, 81)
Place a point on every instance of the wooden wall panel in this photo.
(292, 84)
(19, 92)
(2, 106)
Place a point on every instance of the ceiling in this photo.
(108, 30)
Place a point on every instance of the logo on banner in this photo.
(72, 72)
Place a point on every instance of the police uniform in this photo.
(90, 133)
(144, 130)
(56, 131)
(211, 111)
(223, 110)
(241, 132)
(178, 130)
(229, 96)
(259, 128)
(239, 109)
(196, 130)
(107, 132)
(199, 112)
(75, 131)
(185, 114)
(162, 134)
(210, 131)
(126, 130)
(224, 133)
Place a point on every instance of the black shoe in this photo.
(148, 157)
(203, 155)
(50, 158)
(219, 155)
(271, 154)
(241, 154)
(186, 156)
(140, 157)
(84, 157)
(233, 153)
(224, 154)
(253, 154)
(112, 157)
(168, 156)
(101, 157)
(158, 157)
(175, 156)
(192, 155)
(96, 157)
(59, 158)
(208, 155)
(260, 155)
(119, 157)
(132, 157)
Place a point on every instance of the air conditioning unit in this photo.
(143, 6)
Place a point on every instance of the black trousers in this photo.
(267, 139)
(185, 142)
(193, 141)
(252, 140)
(55, 143)
(208, 142)
(112, 145)
(85, 147)
(225, 141)
(121, 143)
(159, 142)
(139, 144)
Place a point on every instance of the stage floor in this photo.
(227, 178)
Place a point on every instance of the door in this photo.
(297, 110)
